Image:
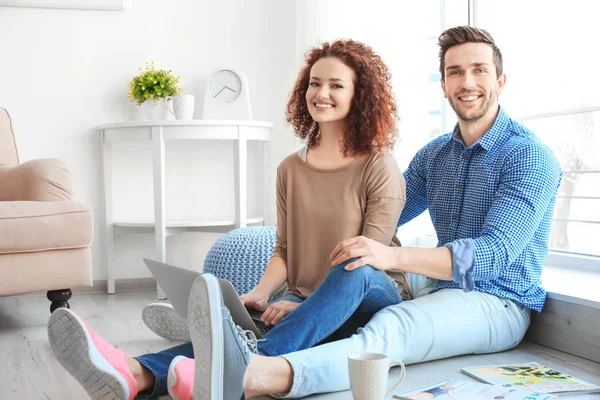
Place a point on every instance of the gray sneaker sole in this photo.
(164, 321)
(74, 350)
(206, 330)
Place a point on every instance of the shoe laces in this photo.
(248, 339)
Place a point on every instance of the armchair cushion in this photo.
(8, 147)
(36, 180)
(45, 238)
(27, 226)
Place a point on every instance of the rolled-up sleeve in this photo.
(463, 262)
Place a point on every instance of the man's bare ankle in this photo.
(268, 375)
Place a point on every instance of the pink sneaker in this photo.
(180, 380)
(98, 366)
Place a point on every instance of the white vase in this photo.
(160, 110)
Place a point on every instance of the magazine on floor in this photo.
(531, 376)
(452, 389)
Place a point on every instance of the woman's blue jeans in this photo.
(344, 302)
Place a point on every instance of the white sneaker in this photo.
(164, 321)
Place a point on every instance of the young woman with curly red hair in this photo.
(343, 183)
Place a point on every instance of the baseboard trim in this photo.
(100, 287)
(568, 327)
(121, 285)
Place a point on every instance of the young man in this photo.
(490, 187)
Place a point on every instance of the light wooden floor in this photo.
(29, 371)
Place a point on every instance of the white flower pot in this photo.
(160, 110)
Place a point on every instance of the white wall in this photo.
(66, 71)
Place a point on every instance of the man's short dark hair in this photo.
(467, 34)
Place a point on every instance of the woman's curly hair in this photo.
(371, 122)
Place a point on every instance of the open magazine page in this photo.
(530, 376)
(452, 389)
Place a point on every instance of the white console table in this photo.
(239, 132)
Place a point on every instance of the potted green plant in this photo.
(153, 89)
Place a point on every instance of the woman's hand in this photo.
(277, 311)
(255, 300)
(368, 251)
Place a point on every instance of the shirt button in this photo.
(459, 186)
(454, 217)
(466, 157)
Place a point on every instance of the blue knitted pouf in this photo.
(241, 256)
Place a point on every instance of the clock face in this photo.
(225, 86)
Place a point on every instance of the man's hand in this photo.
(368, 251)
(277, 311)
(255, 300)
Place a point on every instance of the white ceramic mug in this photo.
(163, 109)
(184, 106)
(369, 375)
(166, 107)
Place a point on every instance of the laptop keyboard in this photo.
(261, 327)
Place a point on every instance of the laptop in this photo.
(177, 285)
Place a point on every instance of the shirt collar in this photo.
(492, 136)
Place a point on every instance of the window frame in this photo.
(560, 259)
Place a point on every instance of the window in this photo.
(424, 112)
(573, 136)
(551, 67)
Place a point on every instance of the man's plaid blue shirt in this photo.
(491, 204)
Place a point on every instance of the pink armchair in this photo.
(45, 237)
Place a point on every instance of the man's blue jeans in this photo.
(344, 302)
(447, 323)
